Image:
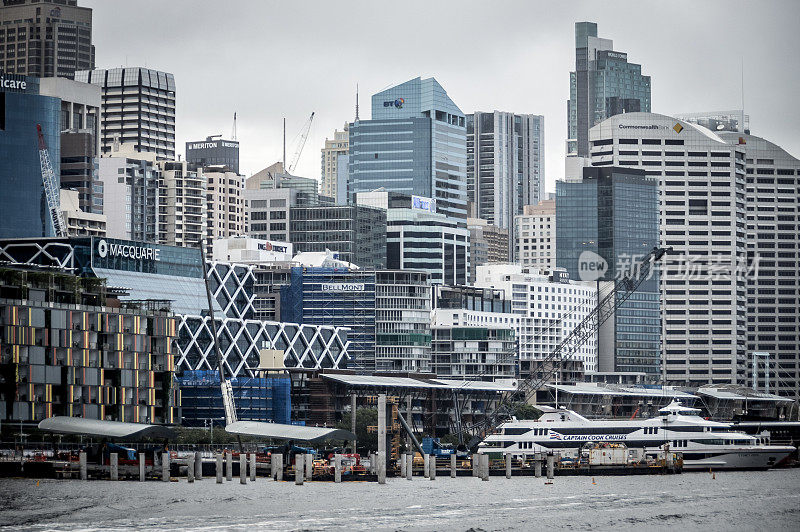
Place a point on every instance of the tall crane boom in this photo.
(550, 364)
(51, 188)
(303, 138)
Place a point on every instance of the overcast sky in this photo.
(266, 60)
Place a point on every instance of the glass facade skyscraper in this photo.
(603, 84)
(23, 206)
(414, 144)
(611, 218)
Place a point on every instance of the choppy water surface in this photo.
(692, 501)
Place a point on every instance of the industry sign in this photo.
(128, 251)
(211, 145)
(269, 246)
(343, 287)
(13, 82)
(398, 103)
(425, 204)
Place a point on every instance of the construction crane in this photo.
(303, 137)
(51, 188)
(550, 364)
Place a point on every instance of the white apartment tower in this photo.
(702, 217)
(535, 229)
(225, 203)
(182, 205)
(773, 241)
(330, 161)
(138, 107)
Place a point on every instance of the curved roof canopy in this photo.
(280, 431)
(105, 429)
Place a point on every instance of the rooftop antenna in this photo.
(356, 102)
(284, 143)
(742, 124)
(234, 126)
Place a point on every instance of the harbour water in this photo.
(693, 501)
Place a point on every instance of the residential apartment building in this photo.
(80, 223)
(415, 143)
(773, 281)
(548, 308)
(505, 166)
(138, 106)
(535, 231)
(182, 204)
(46, 38)
(402, 321)
(702, 185)
(487, 244)
(602, 85)
(330, 162)
(225, 203)
(131, 183)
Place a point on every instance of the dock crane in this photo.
(51, 187)
(606, 308)
(303, 138)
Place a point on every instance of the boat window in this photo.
(513, 431)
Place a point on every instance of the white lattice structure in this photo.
(232, 286)
(304, 346)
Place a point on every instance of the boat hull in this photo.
(753, 458)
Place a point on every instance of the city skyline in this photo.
(297, 75)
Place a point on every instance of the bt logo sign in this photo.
(397, 103)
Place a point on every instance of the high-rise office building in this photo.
(487, 244)
(329, 170)
(420, 238)
(603, 84)
(415, 143)
(274, 177)
(80, 139)
(773, 241)
(702, 217)
(536, 236)
(79, 222)
(46, 38)
(505, 166)
(719, 121)
(611, 218)
(23, 204)
(138, 106)
(214, 151)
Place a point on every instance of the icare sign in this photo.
(13, 83)
(129, 251)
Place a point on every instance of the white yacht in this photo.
(705, 444)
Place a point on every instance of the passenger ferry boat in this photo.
(704, 444)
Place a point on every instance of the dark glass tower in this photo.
(613, 213)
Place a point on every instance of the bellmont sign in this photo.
(343, 287)
(128, 251)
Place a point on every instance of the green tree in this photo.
(367, 442)
(526, 411)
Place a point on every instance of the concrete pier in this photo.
(219, 468)
(485, 466)
(82, 465)
(278, 466)
(538, 458)
(228, 466)
(141, 467)
(165, 466)
(475, 464)
(252, 467)
(453, 465)
(508, 465)
(426, 466)
(309, 461)
(550, 466)
(190, 468)
(113, 461)
(299, 469)
(198, 466)
(242, 468)
(409, 466)
(337, 468)
(382, 438)
(432, 468)
(402, 465)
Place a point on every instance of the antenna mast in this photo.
(356, 102)
(234, 126)
(284, 144)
